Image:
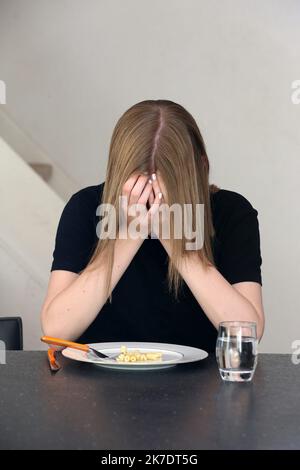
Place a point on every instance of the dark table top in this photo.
(184, 407)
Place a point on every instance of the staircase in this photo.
(29, 211)
(44, 170)
(36, 157)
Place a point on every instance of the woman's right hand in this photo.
(141, 197)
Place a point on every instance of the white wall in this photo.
(72, 67)
(29, 211)
(21, 295)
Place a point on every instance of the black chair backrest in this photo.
(11, 332)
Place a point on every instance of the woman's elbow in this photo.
(48, 329)
(260, 328)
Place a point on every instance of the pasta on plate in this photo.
(138, 356)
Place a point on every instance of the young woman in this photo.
(153, 288)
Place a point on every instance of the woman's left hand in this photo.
(158, 192)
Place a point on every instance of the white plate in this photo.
(172, 354)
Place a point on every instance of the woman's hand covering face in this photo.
(144, 191)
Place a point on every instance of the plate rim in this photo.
(199, 354)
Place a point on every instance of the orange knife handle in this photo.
(54, 365)
(65, 343)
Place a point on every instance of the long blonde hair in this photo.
(152, 136)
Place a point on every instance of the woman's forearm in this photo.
(71, 311)
(217, 297)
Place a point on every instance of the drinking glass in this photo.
(236, 350)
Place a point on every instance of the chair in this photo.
(11, 332)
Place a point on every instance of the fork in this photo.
(71, 344)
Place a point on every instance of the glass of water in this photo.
(236, 350)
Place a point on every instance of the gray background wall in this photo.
(72, 67)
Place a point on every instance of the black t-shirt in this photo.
(142, 307)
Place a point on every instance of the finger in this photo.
(156, 203)
(146, 193)
(138, 188)
(126, 190)
(151, 198)
(155, 184)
